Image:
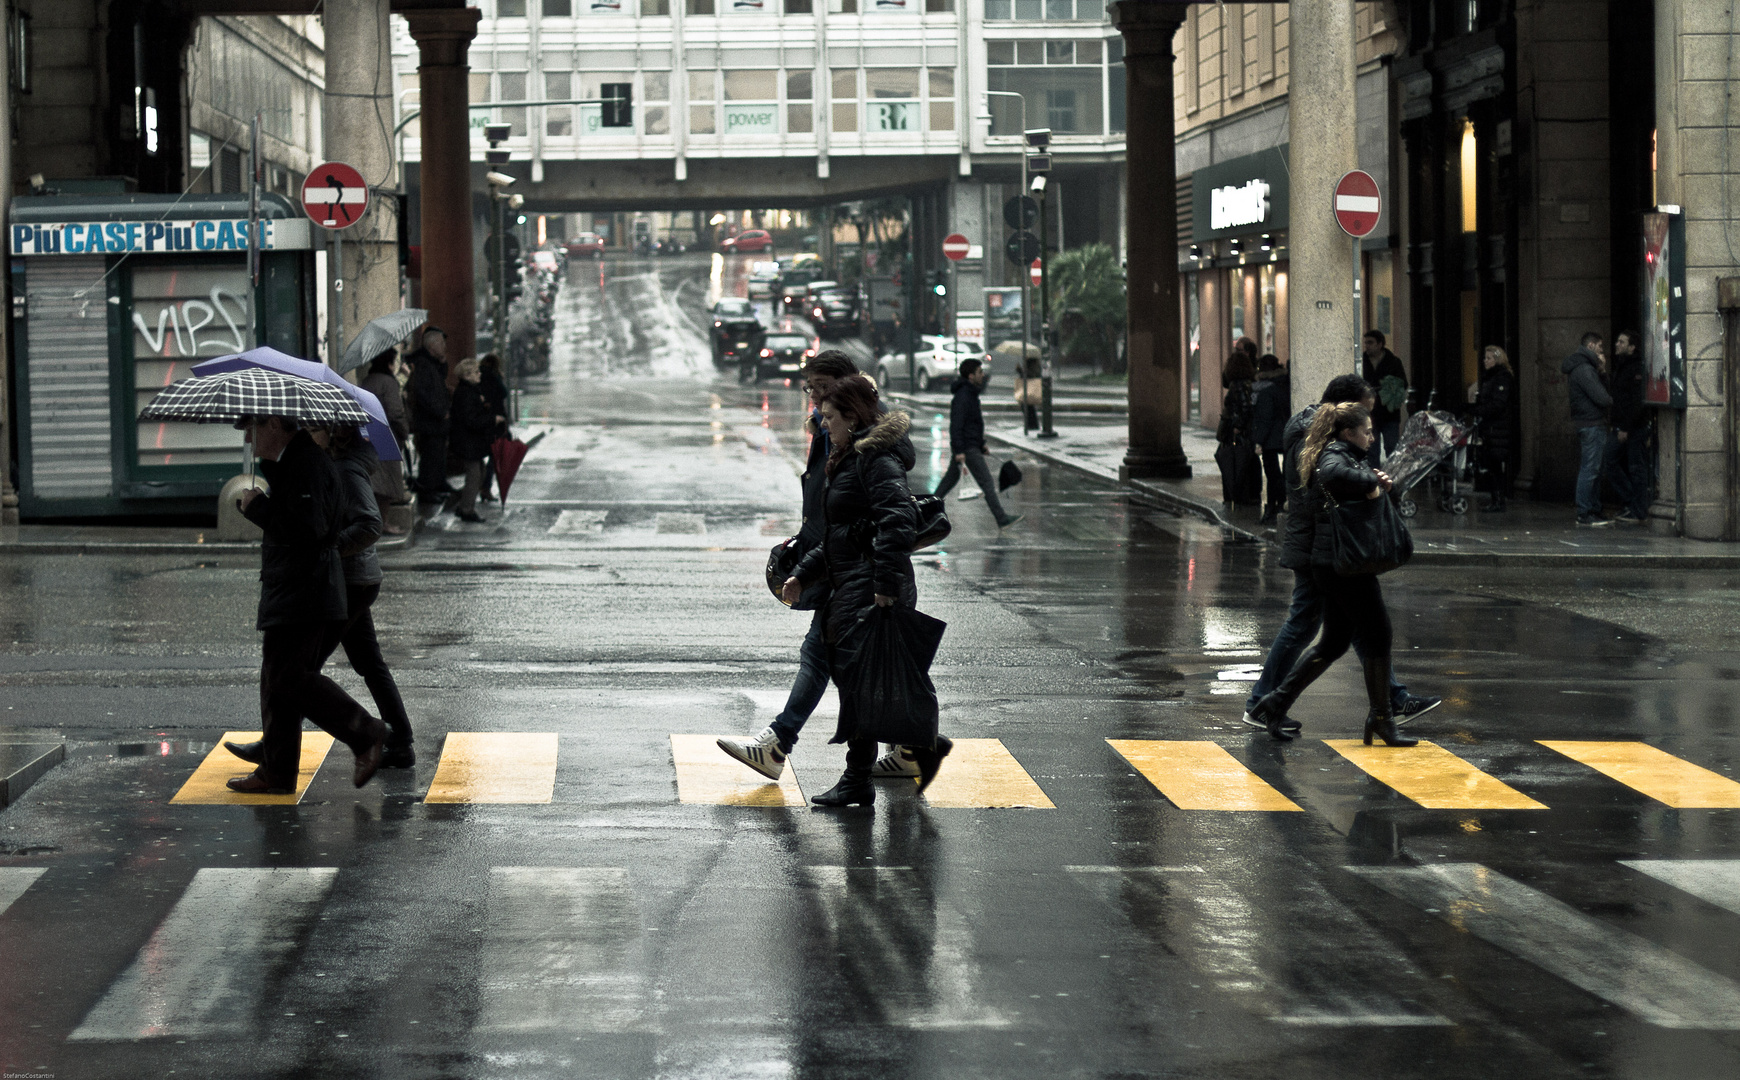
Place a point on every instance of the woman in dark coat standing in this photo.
(1333, 466)
(1492, 400)
(870, 527)
(472, 431)
(495, 395)
(1241, 479)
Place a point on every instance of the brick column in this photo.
(1155, 349)
(444, 175)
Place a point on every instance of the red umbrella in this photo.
(507, 453)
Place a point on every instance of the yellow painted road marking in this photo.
(1198, 775)
(206, 786)
(1433, 777)
(1656, 773)
(706, 775)
(982, 773)
(495, 767)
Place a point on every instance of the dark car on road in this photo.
(782, 354)
(736, 330)
(794, 288)
(834, 310)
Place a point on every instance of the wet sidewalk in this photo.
(131, 539)
(1525, 534)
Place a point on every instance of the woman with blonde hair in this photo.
(474, 427)
(1333, 467)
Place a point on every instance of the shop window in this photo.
(1193, 345)
(1470, 178)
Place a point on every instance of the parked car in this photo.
(938, 361)
(589, 244)
(782, 353)
(736, 329)
(763, 280)
(834, 310)
(746, 241)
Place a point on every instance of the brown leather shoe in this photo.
(254, 753)
(255, 784)
(370, 760)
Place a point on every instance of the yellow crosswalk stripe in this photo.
(1433, 777)
(983, 774)
(705, 775)
(1654, 772)
(495, 767)
(1199, 775)
(206, 786)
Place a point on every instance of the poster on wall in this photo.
(1664, 308)
(605, 7)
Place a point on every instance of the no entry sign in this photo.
(335, 195)
(1037, 272)
(1357, 204)
(955, 246)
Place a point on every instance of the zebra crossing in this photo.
(567, 951)
(1194, 775)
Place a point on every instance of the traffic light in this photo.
(938, 281)
(618, 108)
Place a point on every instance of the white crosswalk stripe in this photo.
(14, 880)
(1715, 881)
(1647, 980)
(207, 967)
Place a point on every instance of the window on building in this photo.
(19, 50)
(703, 118)
(1045, 11)
(229, 169)
(1117, 86)
(798, 94)
(845, 95)
(510, 9)
(655, 7)
(891, 99)
(656, 113)
(843, 7)
(798, 7)
(558, 119)
(939, 5)
(1062, 83)
(698, 7)
(558, 9)
(942, 93)
(511, 86)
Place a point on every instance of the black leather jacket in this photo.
(1343, 474)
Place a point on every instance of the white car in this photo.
(938, 361)
(763, 280)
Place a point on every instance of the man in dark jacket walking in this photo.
(431, 402)
(967, 441)
(1383, 370)
(302, 606)
(1589, 401)
(1627, 464)
(1305, 615)
(1271, 397)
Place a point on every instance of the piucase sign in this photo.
(137, 237)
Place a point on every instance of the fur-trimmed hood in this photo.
(885, 434)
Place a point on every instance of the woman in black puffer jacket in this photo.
(869, 529)
(1332, 464)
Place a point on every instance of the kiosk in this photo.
(114, 298)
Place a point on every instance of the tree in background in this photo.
(1088, 288)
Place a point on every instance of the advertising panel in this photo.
(1664, 309)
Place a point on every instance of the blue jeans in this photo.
(1627, 468)
(1304, 619)
(1591, 443)
(806, 691)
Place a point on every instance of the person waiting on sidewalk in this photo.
(474, 427)
(967, 442)
(1305, 615)
(1627, 454)
(1271, 397)
(431, 407)
(389, 476)
(302, 604)
(1491, 398)
(1589, 404)
(1241, 479)
(1332, 462)
(1389, 380)
(495, 395)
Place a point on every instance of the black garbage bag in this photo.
(885, 688)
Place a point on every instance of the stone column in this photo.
(1323, 324)
(443, 38)
(1155, 349)
(8, 497)
(357, 121)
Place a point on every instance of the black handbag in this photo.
(781, 561)
(1368, 536)
(930, 520)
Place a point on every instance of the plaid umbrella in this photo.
(377, 432)
(226, 398)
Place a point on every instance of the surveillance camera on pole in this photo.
(1039, 138)
(516, 201)
(498, 179)
(497, 133)
(1038, 186)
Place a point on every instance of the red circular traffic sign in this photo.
(335, 196)
(1037, 272)
(1357, 203)
(956, 246)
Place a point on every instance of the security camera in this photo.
(497, 132)
(516, 201)
(1038, 185)
(498, 179)
(497, 157)
(1039, 138)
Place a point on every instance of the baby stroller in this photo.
(1432, 442)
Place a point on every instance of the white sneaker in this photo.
(761, 753)
(898, 764)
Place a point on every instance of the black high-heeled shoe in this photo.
(1384, 727)
(929, 761)
(853, 789)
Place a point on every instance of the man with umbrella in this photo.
(302, 601)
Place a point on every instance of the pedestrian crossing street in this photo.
(520, 767)
(570, 950)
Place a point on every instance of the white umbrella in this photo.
(379, 336)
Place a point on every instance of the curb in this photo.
(1079, 408)
(25, 766)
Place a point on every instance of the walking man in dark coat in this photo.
(967, 441)
(302, 605)
(431, 403)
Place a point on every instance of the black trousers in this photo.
(431, 462)
(292, 687)
(363, 650)
(1351, 604)
(1275, 495)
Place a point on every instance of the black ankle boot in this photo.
(1384, 727)
(1273, 716)
(854, 789)
(929, 761)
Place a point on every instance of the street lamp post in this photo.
(1045, 429)
(1026, 331)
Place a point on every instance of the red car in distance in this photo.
(587, 243)
(747, 240)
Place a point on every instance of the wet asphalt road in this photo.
(615, 931)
